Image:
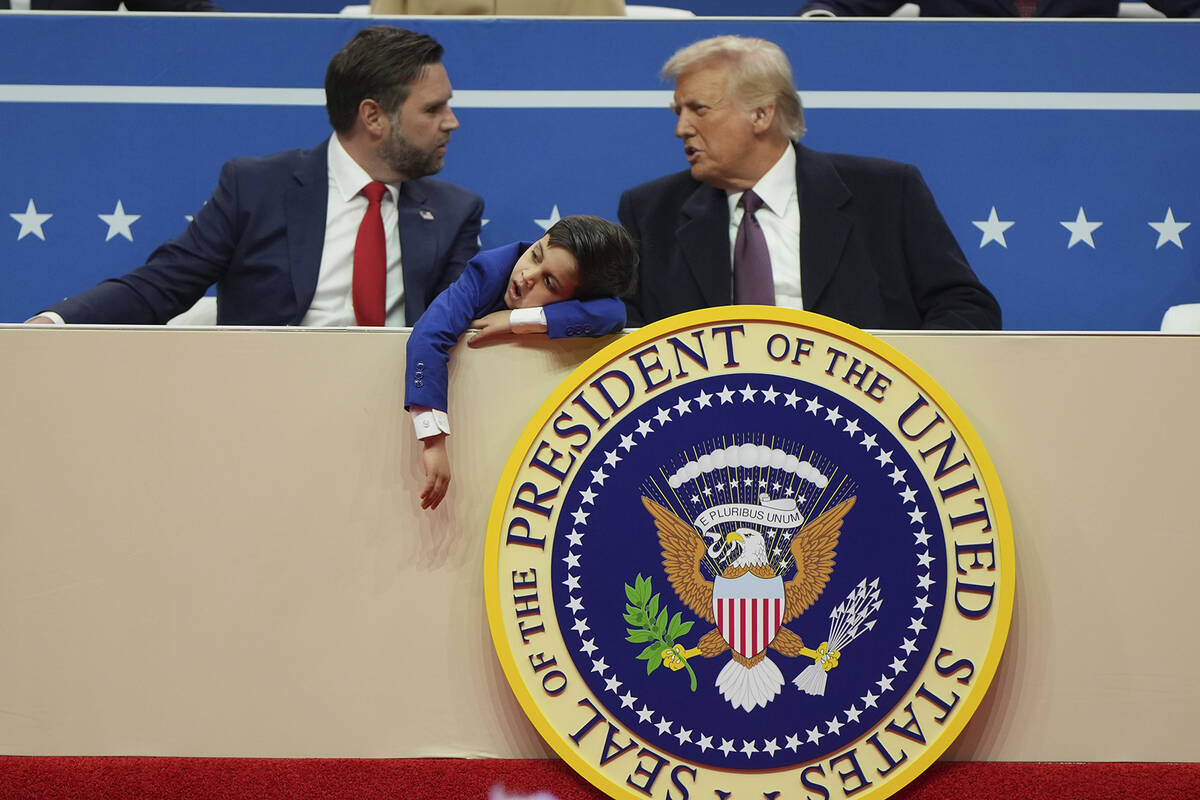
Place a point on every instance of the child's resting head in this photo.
(606, 255)
(581, 257)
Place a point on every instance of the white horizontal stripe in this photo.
(189, 95)
(505, 98)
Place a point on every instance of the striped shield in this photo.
(749, 611)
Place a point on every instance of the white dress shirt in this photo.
(333, 303)
(779, 219)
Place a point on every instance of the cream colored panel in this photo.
(210, 543)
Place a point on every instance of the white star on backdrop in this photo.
(993, 229)
(1081, 230)
(1168, 229)
(548, 223)
(31, 222)
(118, 222)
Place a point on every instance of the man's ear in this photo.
(763, 118)
(373, 118)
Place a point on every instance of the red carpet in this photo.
(23, 778)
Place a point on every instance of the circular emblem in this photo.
(749, 552)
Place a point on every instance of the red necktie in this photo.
(753, 281)
(370, 261)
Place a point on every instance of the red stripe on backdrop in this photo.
(71, 778)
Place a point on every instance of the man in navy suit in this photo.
(279, 235)
(858, 239)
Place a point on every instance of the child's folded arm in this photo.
(596, 317)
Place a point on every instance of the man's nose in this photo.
(450, 123)
(683, 127)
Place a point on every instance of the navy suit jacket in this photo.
(480, 291)
(996, 8)
(260, 240)
(874, 249)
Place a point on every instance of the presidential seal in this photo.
(749, 553)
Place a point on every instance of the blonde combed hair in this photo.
(759, 75)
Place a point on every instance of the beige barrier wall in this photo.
(210, 543)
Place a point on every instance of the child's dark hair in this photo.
(606, 254)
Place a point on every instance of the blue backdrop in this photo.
(1047, 122)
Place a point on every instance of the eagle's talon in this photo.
(828, 659)
(676, 657)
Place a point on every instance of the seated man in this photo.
(759, 218)
(350, 232)
(564, 284)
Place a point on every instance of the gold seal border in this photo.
(735, 314)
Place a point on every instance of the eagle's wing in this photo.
(683, 550)
(813, 550)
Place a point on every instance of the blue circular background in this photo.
(619, 542)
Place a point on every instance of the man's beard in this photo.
(407, 159)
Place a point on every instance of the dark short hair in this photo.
(380, 63)
(606, 254)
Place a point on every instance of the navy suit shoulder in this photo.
(237, 240)
(875, 250)
(997, 8)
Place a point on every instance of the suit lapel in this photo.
(703, 238)
(824, 226)
(306, 204)
(418, 245)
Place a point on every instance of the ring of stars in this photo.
(799, 738)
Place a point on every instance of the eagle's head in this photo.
(754, 548)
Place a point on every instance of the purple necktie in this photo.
(752, 278)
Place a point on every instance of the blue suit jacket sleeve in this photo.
(176, 274)
(478, 291)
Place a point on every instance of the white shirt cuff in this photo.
(429, 421)
(528, 320)
(50, 315)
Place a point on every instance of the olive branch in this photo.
(650, 624)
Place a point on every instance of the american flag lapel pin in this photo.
(426, 214)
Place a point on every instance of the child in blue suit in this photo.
(565, 284)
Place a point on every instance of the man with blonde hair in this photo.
(759, 218)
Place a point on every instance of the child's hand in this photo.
(437, 471)
(491, 326)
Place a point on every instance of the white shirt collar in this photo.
(776, 187)
(348, 177)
